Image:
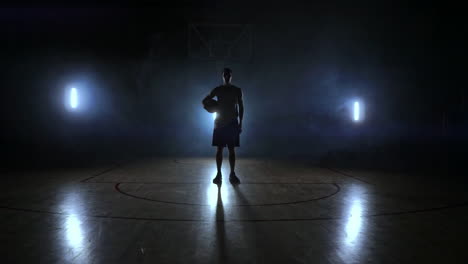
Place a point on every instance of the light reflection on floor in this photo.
(74, 226)
(74, 232)
(354, 225)
(354, 222)
(212, 190)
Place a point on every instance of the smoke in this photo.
(144, 96)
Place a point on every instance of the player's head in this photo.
(227, 75)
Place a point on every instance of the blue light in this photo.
(357, 111)
(73, 98)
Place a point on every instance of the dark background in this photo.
(141, 90)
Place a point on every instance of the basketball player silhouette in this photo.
(228, 123)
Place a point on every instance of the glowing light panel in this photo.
(214, 116)
(73, 98)
(356, 111)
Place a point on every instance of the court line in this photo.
(206, 182)
(211, 162)
(348, 175)
(103, 172)
(384, 214)
(337, 190)
(191, 163)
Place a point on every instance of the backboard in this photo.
(220, 42)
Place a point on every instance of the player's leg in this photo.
(232, 162)
(219, 162)
(232, 158)
(219, 158)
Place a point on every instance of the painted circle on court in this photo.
(248, 194)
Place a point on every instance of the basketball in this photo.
(210, 105)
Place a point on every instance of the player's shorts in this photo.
(227, 135)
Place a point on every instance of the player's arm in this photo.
(211, 95)
(240, 101)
